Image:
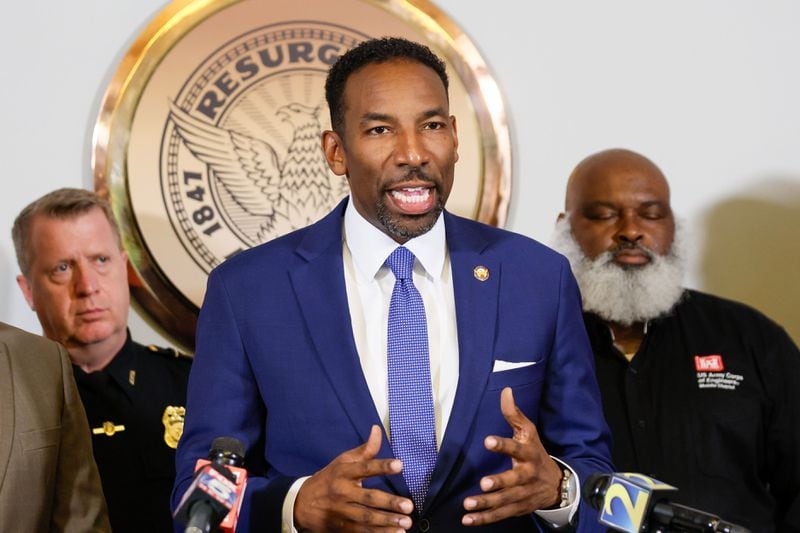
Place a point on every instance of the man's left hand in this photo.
(532, 483)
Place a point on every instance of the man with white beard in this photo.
(700, 392)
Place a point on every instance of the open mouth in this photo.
(416, 200)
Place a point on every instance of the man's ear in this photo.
(333, 147)
(455, 135)
(26, 291)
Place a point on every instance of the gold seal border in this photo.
(168, 310)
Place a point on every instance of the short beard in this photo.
(421, 224)
(625, 295)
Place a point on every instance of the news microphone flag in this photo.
(214, 498)
(628, 498)
(208, 499)
(228, 524)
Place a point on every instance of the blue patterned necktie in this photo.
(412, 425)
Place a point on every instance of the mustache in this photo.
(626, 246)
(412, 173)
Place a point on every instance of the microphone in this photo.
(229, 452)
(213, 499)
(636, 503)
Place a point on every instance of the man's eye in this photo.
(102, 259)
(600, 216)
(379, 130)
(61, 267)
(434, 125)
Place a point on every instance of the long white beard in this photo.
(624, 295)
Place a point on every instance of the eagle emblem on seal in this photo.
(283, 191)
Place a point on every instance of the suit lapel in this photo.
(476, 312)
(6, 412)
(320, 289)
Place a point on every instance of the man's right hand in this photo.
(333, 499)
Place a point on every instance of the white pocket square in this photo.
(499, 365)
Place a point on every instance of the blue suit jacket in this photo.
(276, 367)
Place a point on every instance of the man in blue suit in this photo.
(298, 343)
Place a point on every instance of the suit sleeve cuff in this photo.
(287, 511)
(564, 515)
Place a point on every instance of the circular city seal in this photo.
(241, 156)
(208, 140)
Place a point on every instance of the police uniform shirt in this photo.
(711, 404)
(132, 406)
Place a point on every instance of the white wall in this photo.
(708, 89)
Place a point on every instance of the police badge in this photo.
(173, 424)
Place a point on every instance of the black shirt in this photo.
(136, 464)
(711, 404)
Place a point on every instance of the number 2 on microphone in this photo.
(634, 510)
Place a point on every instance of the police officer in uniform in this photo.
(135, 410)
(74, 276)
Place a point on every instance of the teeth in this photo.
(412, 195)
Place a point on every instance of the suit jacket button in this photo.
(424, 525)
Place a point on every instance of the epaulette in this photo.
(169, 352)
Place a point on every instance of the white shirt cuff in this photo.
(287, 511)
(563, 515)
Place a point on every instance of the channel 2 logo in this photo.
(627, 500)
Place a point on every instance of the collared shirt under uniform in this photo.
(137, 467)
(725, 430)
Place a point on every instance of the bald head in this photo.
(614, 169)
(618, 200)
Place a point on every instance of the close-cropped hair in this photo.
(370, 52)
(62, 204)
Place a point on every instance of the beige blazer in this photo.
(48, 478)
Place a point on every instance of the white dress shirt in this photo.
(369, 284)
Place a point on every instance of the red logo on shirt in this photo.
(708, 363)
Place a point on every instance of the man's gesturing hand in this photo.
(334, 500)
(532, 483)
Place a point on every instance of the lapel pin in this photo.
(132, 377)
(481, 273)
